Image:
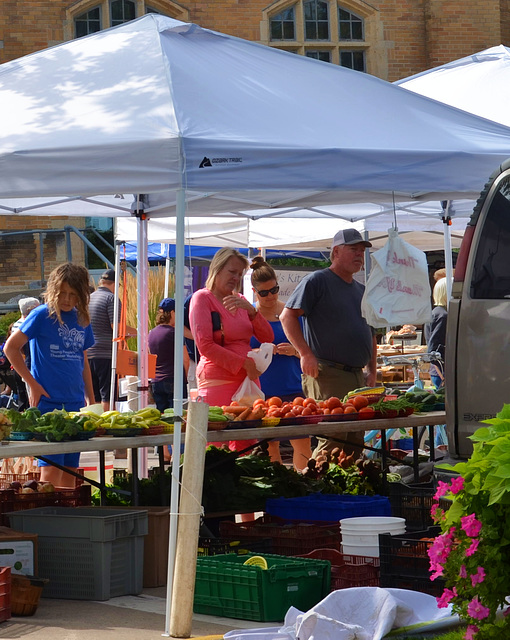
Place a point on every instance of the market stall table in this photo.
(15, 449)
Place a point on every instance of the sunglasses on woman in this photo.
(263, 293)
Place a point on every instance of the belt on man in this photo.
(342, 367)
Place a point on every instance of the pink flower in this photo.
(478, 577)
(456, 485)
(471, 525)
(436, 512)
(442, 489)
(476, 609)
(472, 548)
(446, 598)
(440, 548)
(463, 572)
(470, 632)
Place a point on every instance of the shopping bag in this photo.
(398, 288)
(249, 391)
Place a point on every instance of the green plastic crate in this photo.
(226, 587)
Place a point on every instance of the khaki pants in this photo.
(335, 382)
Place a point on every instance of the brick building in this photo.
(390, 39)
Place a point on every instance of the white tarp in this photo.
(156, 104)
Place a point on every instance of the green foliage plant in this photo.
(472, 552)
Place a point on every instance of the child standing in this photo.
(59, 332)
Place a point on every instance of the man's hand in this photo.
(309, 365)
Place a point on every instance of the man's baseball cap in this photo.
(167, 304)
(349, 236)
(109, 274)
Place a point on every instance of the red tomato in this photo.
(366, 413)
(274, 402)
(333, 402)
(298, 401)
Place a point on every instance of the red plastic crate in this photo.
(5, 593)
(10, 500)
(348, 570)
(287, 539)
(7, 478)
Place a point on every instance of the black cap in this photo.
(109, 274)
(167, 304)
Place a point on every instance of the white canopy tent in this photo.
(420, 222)
(478, 83)
(211, 124)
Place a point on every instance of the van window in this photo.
(491, 272)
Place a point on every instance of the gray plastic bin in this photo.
(87, 553)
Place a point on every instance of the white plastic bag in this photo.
(248, 391)
(398, 289)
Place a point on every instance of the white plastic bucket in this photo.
(360, 536)
(372, 551)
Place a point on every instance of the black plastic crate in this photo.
(412, 502)
(424, 585)
(406, 555)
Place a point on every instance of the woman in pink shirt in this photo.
(222, 323)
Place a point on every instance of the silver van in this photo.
(478, 327)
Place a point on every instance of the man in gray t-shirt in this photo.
(336, 343)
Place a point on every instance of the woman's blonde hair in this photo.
(261, 271)
(219, 260)
(440, 293)
(76, 277)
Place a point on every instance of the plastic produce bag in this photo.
(398, 289)
(248, 391)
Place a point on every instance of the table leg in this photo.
(416, 463)
(134, 478)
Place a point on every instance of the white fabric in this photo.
(364, 613)
(138, 108)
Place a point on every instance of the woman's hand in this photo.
(234, 302)
(286, 349)
(36, 391)
(251, 369)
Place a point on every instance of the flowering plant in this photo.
(472, 553)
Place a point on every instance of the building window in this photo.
(122, 11)
(325, 56)
(353, 60)
(329, 30)
(89, 22)
(316, 20)
(283, 25)
(350, 26)
(84, 18)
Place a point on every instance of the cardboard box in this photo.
(18, 551)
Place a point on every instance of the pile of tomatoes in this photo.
(276, 408)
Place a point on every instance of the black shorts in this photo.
(101, 370)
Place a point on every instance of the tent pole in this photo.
(167, 269)
(142, 321)
(115, 325)
(448, 248)
(178, 400)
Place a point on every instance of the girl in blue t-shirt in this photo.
(59, 332)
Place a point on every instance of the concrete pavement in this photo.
(128, 617)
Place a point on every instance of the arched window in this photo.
(316, 20)
(329, 30)
(283, 25)
(122, 11)
(350, 26)
(89, 16)
(89, 22)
